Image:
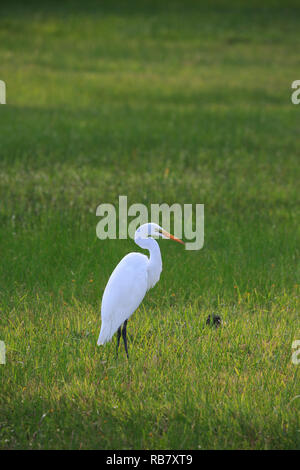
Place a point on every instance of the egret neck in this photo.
(155, 261)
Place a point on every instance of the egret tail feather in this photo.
(105, 334)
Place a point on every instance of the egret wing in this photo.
(123, 294)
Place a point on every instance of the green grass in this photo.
(102, 98)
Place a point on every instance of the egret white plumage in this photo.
(129, 282)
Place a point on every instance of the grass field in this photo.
(162, 102)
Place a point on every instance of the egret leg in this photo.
(125, 337)
(118, 339)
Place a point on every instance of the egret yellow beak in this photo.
(168, 235)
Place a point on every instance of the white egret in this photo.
(129, 282)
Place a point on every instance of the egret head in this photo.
(154, 230)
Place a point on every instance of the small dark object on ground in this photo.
(216, 320)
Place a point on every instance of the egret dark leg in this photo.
(124, 337)
(118, 339)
